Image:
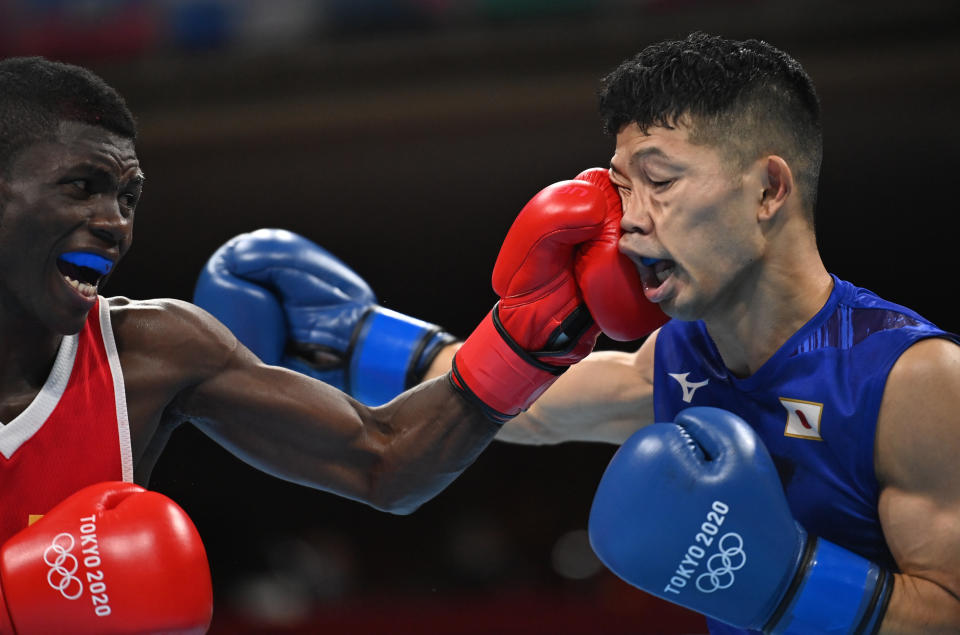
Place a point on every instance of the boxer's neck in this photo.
(27, 353)
(776, 310)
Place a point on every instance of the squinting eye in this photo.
(80, 189)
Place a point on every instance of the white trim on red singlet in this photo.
(28, 422)
(119, 391)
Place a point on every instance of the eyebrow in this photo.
(639, 155)
(646, 152)
(138, 179)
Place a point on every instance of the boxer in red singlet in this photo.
(70, 181)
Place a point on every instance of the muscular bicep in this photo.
(250, 408)
(286, 424)
(917, 445)
(606, 397)
(294, 427)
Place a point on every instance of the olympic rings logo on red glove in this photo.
(57, 555)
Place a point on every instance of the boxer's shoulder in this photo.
(134, 318)
(910, 439)
(172, 334)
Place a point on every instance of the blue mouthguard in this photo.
(649, 262)
(91, 261)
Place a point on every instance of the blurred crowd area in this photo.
(403, 136)
(105, 28)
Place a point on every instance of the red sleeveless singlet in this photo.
(74, 433)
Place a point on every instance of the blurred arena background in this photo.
(404, 135)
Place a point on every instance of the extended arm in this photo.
(180, 364)
(604, 398)
(393, 457)
(283, 295)
(398, 455)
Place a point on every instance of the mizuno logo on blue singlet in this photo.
(689, 387)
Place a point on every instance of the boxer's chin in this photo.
(67, 325)
(67, 304)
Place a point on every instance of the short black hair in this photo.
(36, 94)
(747, 98)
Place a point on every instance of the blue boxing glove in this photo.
(295, 305)
(693, 512)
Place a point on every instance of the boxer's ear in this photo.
(778, 186)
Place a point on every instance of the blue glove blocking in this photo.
(694, 512)
(295, 305)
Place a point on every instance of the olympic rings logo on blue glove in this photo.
(732, 557)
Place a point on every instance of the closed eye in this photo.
(82, 188)
(81, 184)
(130, 199)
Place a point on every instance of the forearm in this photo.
(919, 606)
(393, 457)
(601, 399)
(434, 434)
(528, 428)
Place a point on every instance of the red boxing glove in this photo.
(609, 280)
(540, 326)
(111, 558)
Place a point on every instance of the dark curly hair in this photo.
(746, 98)
(37, 94)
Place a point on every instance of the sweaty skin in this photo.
(78, 192)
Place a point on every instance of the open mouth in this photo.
(656, 271)
(83, 271)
